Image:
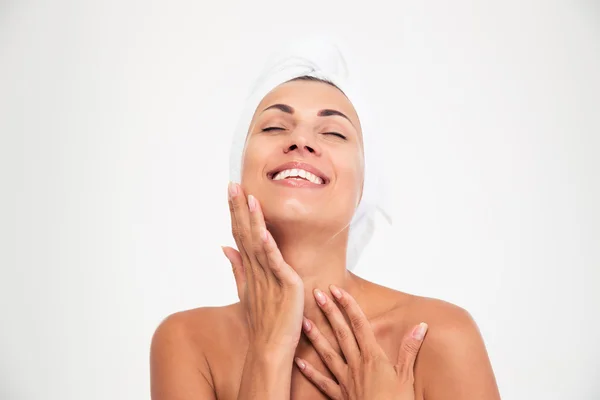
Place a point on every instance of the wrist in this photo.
(267, 375)
(272, 356)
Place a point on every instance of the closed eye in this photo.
(336, 134)
(272, 128)
(276, 128)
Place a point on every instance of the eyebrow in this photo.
(322, 113)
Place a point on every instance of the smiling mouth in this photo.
(298, 174)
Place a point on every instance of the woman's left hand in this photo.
(367, 372)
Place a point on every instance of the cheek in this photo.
(350, 172)
(253, 160)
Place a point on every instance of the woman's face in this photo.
(303, 158)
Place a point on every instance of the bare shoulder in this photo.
(179, 348)
(446, 321)
(402, 311)
(196, 327)
(453, 362)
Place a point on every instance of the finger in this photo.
(258, 228)
(325, 384)
(282, 270)
(361, 327)
(233, 192)
(409, 348)
(330, 357)
(237, 266)
(343, 332)
(241, 230)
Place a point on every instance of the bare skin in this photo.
(207, 346)
(203, 353)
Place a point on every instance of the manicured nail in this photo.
(320, 297)
(335, 291)
(300, 363)
(306, 324)
(224, 252)
(419, 331)
(251, 203)
(233, 191)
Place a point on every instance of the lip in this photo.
(299, 165)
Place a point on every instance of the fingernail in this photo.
(335, 291)
(251, 203)
(224, 252)
(306, 324)
(232, 190)
(419, 331)
(320, 297)
(300, 363)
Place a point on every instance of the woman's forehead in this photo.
(310, 97)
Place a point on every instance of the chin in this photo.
(291, 210)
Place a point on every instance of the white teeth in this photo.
(298, 173)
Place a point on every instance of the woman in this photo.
(306, 327)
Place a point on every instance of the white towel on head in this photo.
(321, 57)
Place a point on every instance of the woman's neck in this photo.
(320, 260)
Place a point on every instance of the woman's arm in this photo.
(267, 375)
(178, 370)
(453, 363)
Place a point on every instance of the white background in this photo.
(115, 123)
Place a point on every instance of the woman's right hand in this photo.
(270, 291)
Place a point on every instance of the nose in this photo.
(301, 143)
